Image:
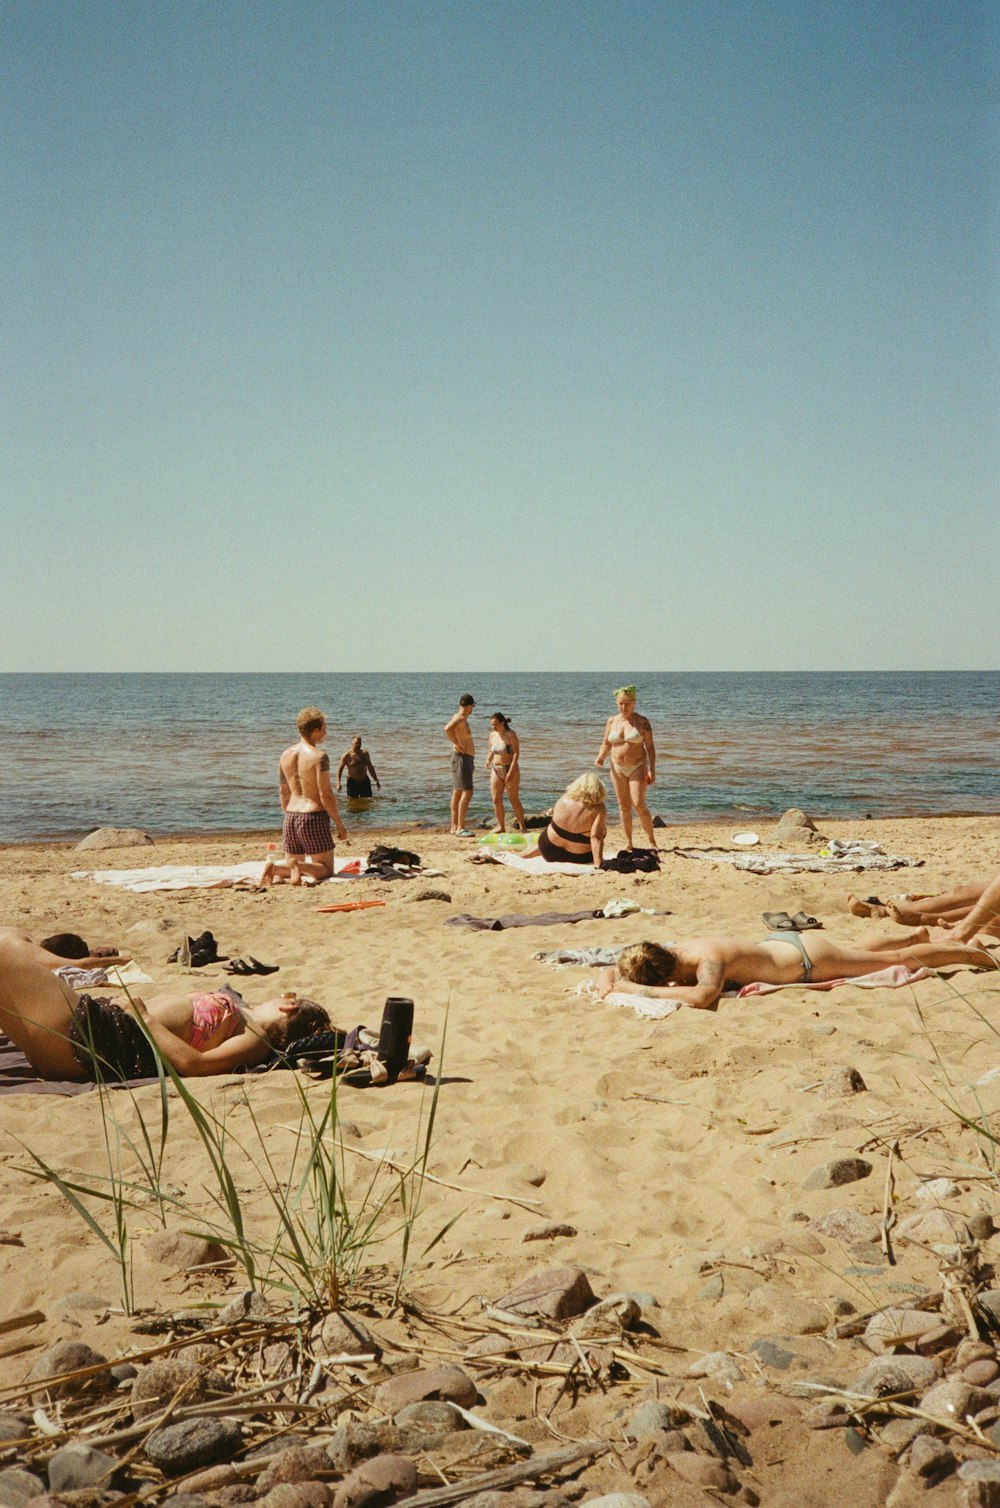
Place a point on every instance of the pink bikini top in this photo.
(214, 1019)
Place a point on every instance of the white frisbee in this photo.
(745, 840)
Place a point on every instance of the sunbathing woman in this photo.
(61, 1032)
(628, 738)
(577, 827)
(503, 760)
(696, 972)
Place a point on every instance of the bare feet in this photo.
(873, 907)
(267, 878)
(905, 915)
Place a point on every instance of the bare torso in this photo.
(738, 961)
(300, 768)
(460, 734)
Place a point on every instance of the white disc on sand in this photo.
(745, 840)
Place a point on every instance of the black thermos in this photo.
(394, 1034)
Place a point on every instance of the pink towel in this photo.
(883, 979)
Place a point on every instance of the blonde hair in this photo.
(308, 720)
(589, 790)
(646, 963)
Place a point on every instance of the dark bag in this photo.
(382, 857)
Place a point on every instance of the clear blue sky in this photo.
(445, 334)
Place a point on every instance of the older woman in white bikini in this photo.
(503, 760)
(628, 738)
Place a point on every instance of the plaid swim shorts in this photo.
(307, 833)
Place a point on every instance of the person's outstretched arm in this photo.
(245, 1049)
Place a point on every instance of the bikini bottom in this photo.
(796, 942)
(553, 854)
(108, 1042)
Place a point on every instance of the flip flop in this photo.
(250, 965)
(803, 923)
(778, 921)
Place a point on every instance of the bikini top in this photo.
(561, 832)
(631, 735)
(499, 747)
(214, 1019)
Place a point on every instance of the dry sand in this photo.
(676, 1149)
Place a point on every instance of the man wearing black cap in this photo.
(463, 763)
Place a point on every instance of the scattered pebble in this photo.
(840, 1083)
(383, 1479)
(548, 1232)
(180, 1448)
(557, 1293)
(831, 1175)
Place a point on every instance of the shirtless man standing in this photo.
(697, 972)
(360, 772)
(308, 803)
(463, 763)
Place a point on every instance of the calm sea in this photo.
(198, 753)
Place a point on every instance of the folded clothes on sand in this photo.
(528, 866)
(582, 958)
(840, 857)
(117, 977)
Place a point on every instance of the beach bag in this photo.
(382, 857)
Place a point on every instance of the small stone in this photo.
(827, 1413)
(929, 1457)
(651, 1416)
(953, 1399)
(772, 1354)
(608, 1318)
(448, 1383)
(980, 1373)
(179, 1448)
(248, 1305)
(935, 1191)
(70, 1356)
(490, 1345)
(548, 1231)
(974, 1350)
(430, 1417)
(178, 1250)
(382, 1480)
(556, 1293)
(894, 1327)
(342, 1334)
(848, 1226)
(115, 837)
(979, 1471)
(896, 1374)
(822, 1028)
(897, 1433)
(929, 1226)
(703, 1471)
(840, 1083)
(156, 1383)
(613, 1500)
(18, 1487)
(357, 1440)
(14, 1427)
(79, 1465)
(989, 1300)
(307, 1494)
(796, 830)
(981, 1226)
(298, 1463)
(717, 1365)
(712, 1291)
(831, 1175)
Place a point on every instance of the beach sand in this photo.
(677, 1150)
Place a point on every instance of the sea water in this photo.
(198, 753)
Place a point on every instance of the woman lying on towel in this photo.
(577, 827)
(696, 972)
(65, 1035)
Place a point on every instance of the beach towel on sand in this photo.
(842, 857)
(200, 876)
(528, 866)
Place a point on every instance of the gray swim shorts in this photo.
(462, 767)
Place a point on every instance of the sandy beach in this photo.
(676, 1151)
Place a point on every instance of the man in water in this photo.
(463, 763)
(308, 802)
(696, 972)
(360, 772)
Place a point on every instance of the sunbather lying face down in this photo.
(211, 1032)
(696, 972)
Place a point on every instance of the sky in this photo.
(533, 335)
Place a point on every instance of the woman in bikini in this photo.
(628, 738)
(577, 827)
(66, 1035)
(503, 760)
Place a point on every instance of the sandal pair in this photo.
(780, 921)
(249, 965)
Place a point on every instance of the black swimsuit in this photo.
(554, 854)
